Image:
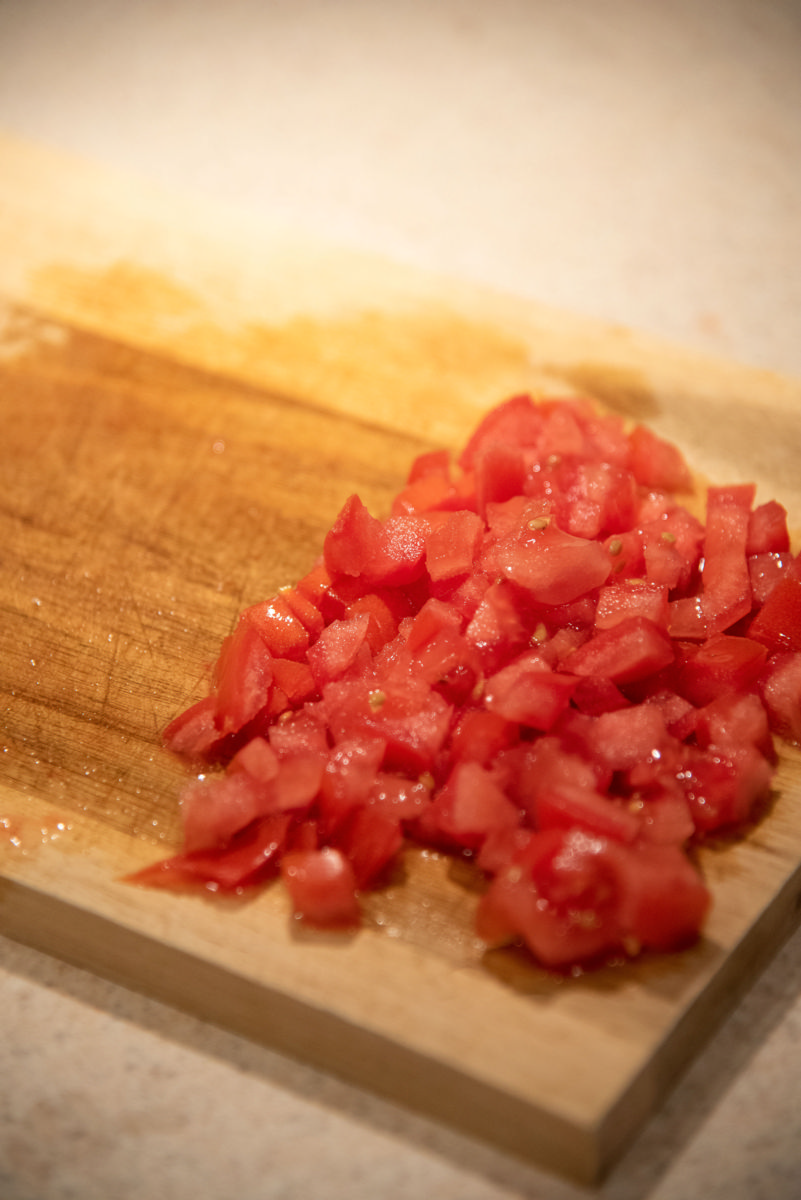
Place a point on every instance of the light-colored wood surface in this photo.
(186, 403)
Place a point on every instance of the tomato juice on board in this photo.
(540, 659)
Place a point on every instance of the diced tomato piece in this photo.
(450, 665)
(401, 552)
(767, 529)
(413, 719)
(256, 758)
(664, 565)
(664, 820)
(733, 720)
(580, 808)
(726, 580)
(370, 840)
(621, 739)
(434, 618)
(631, 650)
(657, 463)
(497, 630)
(500, 848)
(251, 857)
(341, 646)
(517, 422)
(295, 680)
(555, 567)
(479, 735)
(765, 571)
(777, 625)
(722, 664)
(283, 632)
(429, 493)
(397, 797)
(348, 778)
(723, 790)
(602, 500)
(387, 554)
(528, 691)
(321, 886)
(595, 694)
(305, 835)
(314, 585)
(452, 547)
(382, 625)
(617, 601)
(500, 470)
(214, 809)
(433, 462)
(194, 736)
(662, 899)
(626, 555)
(305, 610)
(562, 434)
(352, 542)
(243, 674)
(297, 783)
(687, 619)
(558, 896)
(781, 691)
(303, 732)
(471, 805)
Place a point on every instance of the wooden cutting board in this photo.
(186, 401)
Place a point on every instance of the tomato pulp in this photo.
(540, 659)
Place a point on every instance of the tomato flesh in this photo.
(540, 659)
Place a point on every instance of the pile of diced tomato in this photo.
(541, 659)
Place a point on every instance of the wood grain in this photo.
(186, 401)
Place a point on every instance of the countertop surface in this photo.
(639, 162)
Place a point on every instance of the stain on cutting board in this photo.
(430, 373)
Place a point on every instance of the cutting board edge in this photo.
(701, 1020)
(117, 950)
(246, 1007)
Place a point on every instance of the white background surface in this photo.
(638, 160)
